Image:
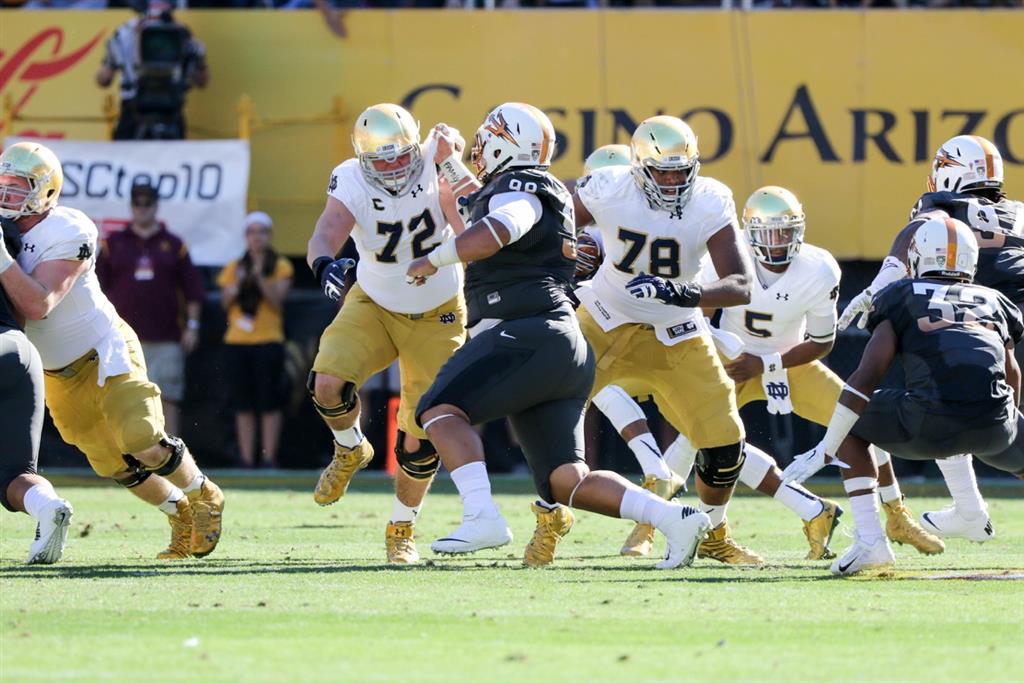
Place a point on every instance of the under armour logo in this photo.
(779, 296)
(333, 184)
(447, 318)
(85, 252)
(677, 213)
(777, 390)
(29, 247)
(419, 188)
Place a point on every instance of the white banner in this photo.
(202, 185)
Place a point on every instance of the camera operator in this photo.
(159, 61)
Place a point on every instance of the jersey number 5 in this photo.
(752, 317)
(422, 226)
(663, 257)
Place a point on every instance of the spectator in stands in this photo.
(148, 275)
(159, 61)
(253, 292)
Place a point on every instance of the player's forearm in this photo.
(482, 240)
(320, 246)
(731, 290)
(29, 296)
(805, 352)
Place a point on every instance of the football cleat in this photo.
(641, 539)
(901, 528)
(401, 543)
(720, 546)
(51, 533)
(819, 531)
(475, 533)
(682, 535)
(335, 478)
(862, 556)
(207, 504)
(181, 533)
(552, 526)
(949, 523)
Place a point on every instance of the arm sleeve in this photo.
(517, 211)
(189, 280)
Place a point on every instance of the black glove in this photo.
(331, 275)
(685, 295)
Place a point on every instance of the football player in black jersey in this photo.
(955, 341)
(966, 183)
(22, 489)
(526, 358)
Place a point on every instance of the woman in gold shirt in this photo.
(253, 289)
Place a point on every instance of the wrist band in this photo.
(445, 255)
(455, 172)
(772, 362)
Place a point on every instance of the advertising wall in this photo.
(844, 108)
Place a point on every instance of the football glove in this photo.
(331, 274)
(807, 464)
(685, 295)
(859, 305)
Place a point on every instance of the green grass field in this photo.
(296, 592)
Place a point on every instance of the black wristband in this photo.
(319, 264)
(686, 295)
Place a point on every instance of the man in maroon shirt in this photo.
(147, 273)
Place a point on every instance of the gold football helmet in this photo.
(608, 155)
(773, 221)
(664, 144)
(384, 134)
(39, 166)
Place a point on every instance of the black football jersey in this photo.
(533, 275)
(952, 342)
(999, 227)
(12, 240)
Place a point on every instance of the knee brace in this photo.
(719, 467)
(134, 475)
(347, 398)
(756, 465)
(173, 461)
(422, 464)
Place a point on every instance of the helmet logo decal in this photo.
(942, 160)
(497, 126)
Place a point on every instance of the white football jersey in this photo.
(390, 232)
(775, 320)
(85, 316)
(639, 239)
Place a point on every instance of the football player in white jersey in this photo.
(95, 377)
(388, 199)
(658, 218)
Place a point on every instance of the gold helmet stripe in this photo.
(950, 244)
(990, 152)
(543, 122)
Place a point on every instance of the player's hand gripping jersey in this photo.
(800, 301)
(85, 318)
(640, 239)
(392, 231)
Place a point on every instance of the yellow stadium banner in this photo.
(844, 108)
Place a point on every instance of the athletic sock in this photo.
(865, 508)
(349, 438)
(170, 506)
(645, 507)
(400, 512)
(680, 456)
(799, 500)
(195, 484)
(891, 492)
(963, 486)
(38, 498)
(475, 490)
(647, 453)
(715, 512)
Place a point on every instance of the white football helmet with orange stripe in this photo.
(513, 135)
(966, 162)
(943, 247)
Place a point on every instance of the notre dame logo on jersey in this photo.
(333, 185)
(85, 252)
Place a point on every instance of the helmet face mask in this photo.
(774, 224)
(665, 162)
(384, 135)
(514, 135)
(943, 247)
(41, 179)
(965, 163)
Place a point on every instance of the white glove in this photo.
(859, 304)
(807, 464)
